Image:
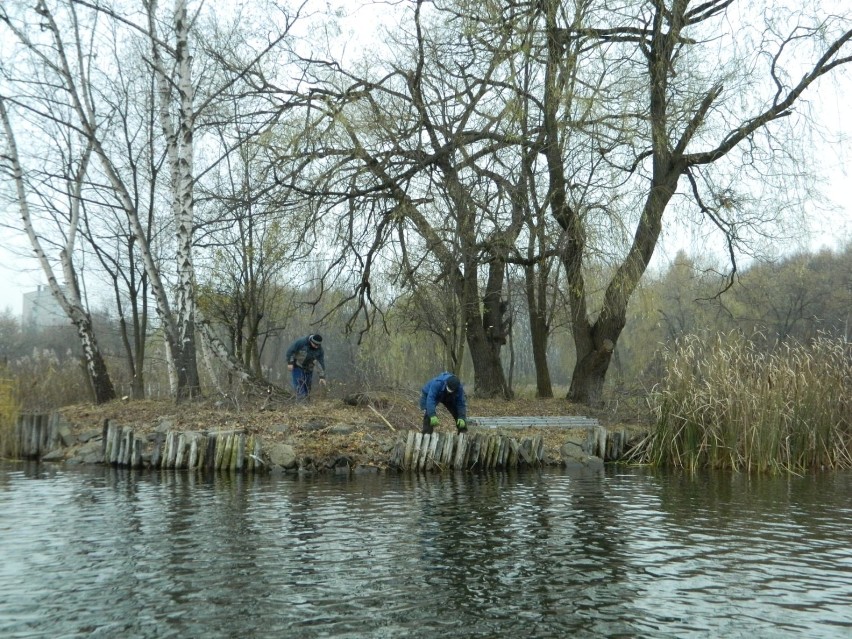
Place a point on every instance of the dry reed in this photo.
(725, 404)
(9, 410)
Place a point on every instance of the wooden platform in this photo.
(520, 422)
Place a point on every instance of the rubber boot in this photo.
(427, 426)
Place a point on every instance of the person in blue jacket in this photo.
(302, 355)
(445, 389)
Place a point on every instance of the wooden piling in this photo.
(210, 453)
(220, 450)
(181, 452)
(136, 458)
(172, 440)
(238, 451)
(463, 451)
(432, 451)
(415, 454)
(409, 450)
(250, 453)
(192, 459)
(126, 459)
(114, 443)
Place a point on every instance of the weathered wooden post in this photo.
(210, 454)
(136, 459)
(461, 448)
(409, 450)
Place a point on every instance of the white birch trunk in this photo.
(88, 125)
(170, 365)
(179, 151)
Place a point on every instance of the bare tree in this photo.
(65, 47)
(412, 189)
(688, 125)
(627, 108)
(252, 246)
(69, 297)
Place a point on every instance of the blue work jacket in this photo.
(303, 355)
(435, 391)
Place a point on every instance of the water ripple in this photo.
(98, 553)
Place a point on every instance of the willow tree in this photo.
(702, 132)
(638, 130)
(416, 158)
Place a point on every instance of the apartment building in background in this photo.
(41, 310)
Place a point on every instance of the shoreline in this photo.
(307, 445)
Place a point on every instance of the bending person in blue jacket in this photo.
(447, 390)
(302, 355)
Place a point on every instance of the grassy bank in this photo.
(724, 404)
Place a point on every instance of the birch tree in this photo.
(66, 47)
(69, 297)
(176, 91)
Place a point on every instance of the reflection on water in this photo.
(629, 553)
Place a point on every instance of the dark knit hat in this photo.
(315, 340)
(452, 384)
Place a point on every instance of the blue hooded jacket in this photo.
(435, 391)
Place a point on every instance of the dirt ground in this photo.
(362, 429)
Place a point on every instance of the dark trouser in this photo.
(302, 381)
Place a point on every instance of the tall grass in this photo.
(9, 409)
(45, 382)
(725, 404)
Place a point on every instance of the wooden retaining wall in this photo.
(236, 451)
(223, 450)
(36, 435)
(466, 451)
(483, 450)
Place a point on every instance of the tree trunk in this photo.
(99, 379)
(589, 374)
(539, 332)
(188, 385)
(543, 384)
(488, 378)
(486, 330)
(137, 386)
(179, 137)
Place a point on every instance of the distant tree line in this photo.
(793, 300)
(482, 189)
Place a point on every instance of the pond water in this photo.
(97, 552)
